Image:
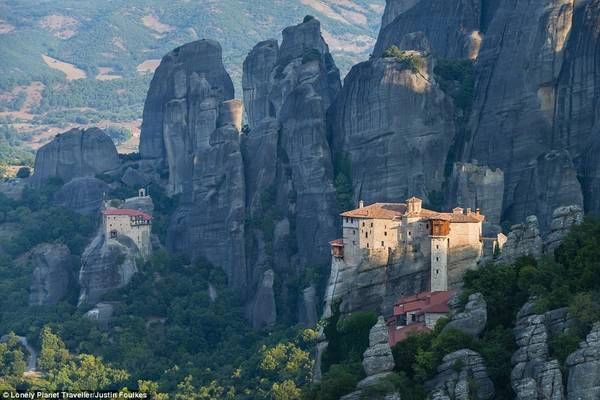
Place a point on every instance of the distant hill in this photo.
(71, 63)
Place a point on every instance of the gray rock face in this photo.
(520, 61)
(263, 312)
(546, 184)
(378, 358)
(452, 28)
(52, 274)
(106, 264)
(287, 158)
(577, 116)
(393, 8)
(472, 319)
(476, 186)
(83, 195)
(584, 368)
(134, 178)
(461, 376)
(563, 218)
(210, 221)
(75, 153)
(191, 79)
(534, 375)
(393, 154)
(144, 204)
(523, 240)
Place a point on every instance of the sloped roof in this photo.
(128, 212)
(378, 211)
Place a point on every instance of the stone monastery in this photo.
(377, 230)
(133, 223)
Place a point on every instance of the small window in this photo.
(363, 223)
(353, 232)
(382, 244)
(437, 271)
(384, 233)
(371, 224)
(437, 259)
(409, 233)
(437, 246)
(367, 245)
(366, 234)
(413, 317)
(113, 234)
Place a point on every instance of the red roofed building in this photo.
(418, 313)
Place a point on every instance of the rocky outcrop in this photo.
(472, 319)
(535, 375)
(584, 368)
(263, 312)
(476, 186)
(83, 195)
(563, 219)
(461, 376)
(547, 183)
(52, 274)
(523, 240)
(455, 33)
(393, 155)
(256, 81)
(106, 264)
(378, 359)
(142, 203)
(182, 105)
(73, 154)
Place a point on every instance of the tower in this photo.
(438, 233)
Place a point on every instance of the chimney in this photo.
(457, 210)
(361, 204)
(478, 211)
(468, 210)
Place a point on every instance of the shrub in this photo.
(406, 60)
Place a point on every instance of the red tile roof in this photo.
(398, 335)
(434, 302)
(127, 211)
(378, 211)
(397, 210)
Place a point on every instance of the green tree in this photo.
(87, 372)
(53, 353)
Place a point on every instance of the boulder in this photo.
(472, 319)
(83, 195)
(52, 274)
(74, 154)
(584, 368)
(461, 376)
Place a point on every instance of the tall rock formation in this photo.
(395, 127)
(210, 220)
(290, 196)
(83, 195)
(181, 108)
(74, 154)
